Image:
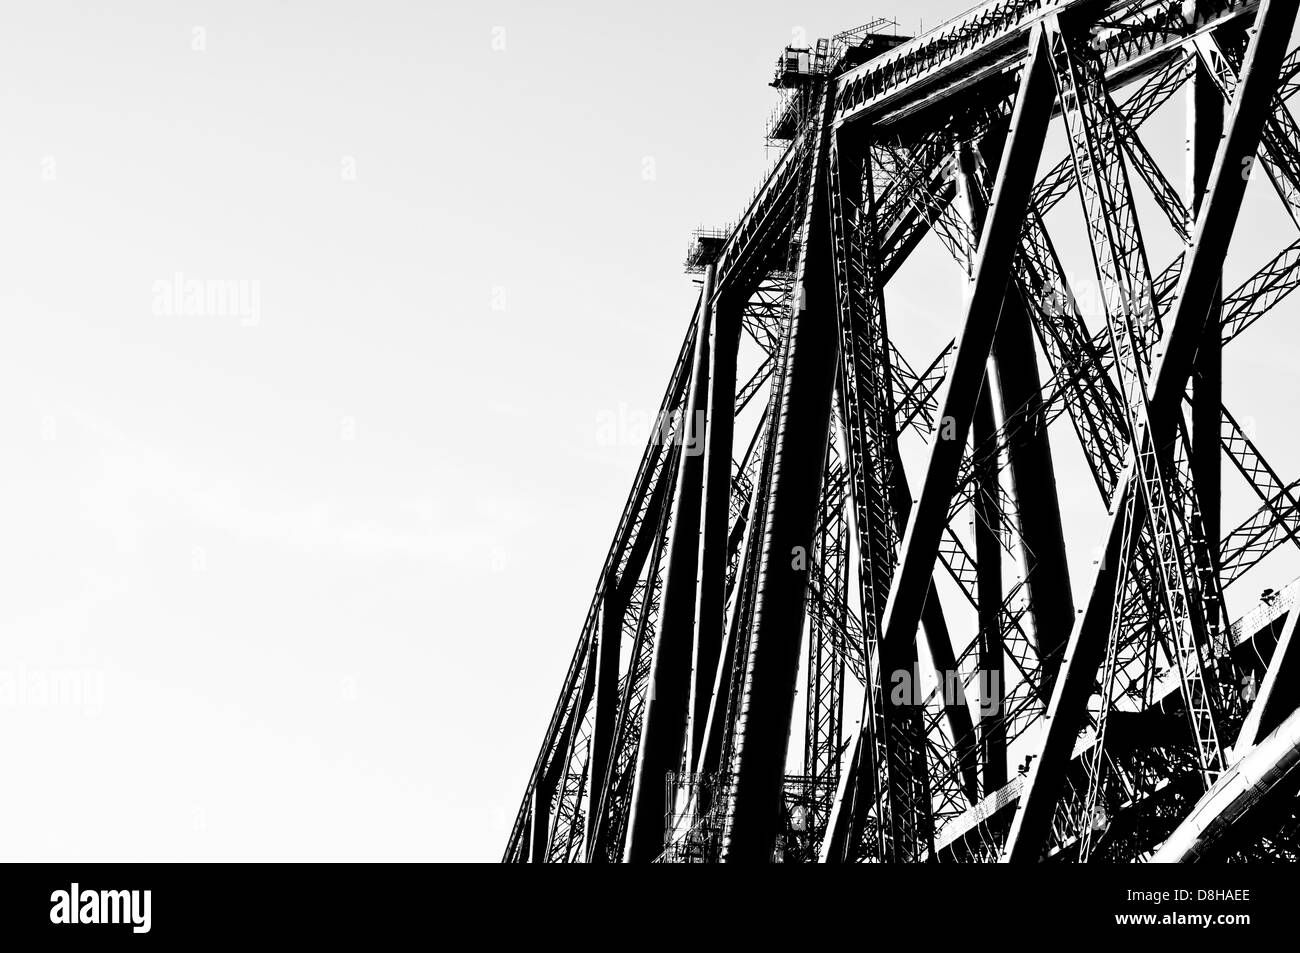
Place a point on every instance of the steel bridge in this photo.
(971, 689)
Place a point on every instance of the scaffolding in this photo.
(695, 818)
(798, 65)
(705, 247)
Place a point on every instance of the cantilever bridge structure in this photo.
(803, 647)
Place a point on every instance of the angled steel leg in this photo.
(1033, 485)
(605, 703)
(664, 725)
(1279, 692)
(1018, 390)
(803, 425)
(988, 563)
(711, 586)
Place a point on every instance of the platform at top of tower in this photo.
(798, 64)
(705, 246)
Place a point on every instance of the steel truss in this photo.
(965, 697)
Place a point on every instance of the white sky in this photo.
(315, 572)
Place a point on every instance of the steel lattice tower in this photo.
(772, 552)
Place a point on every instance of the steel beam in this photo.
(711, 584)
(1033, 484)
(1018, 388)
(664, 725)
(987, 507)
(716, 726)
(538, 828)
(1263, 781)
(802, 429)
(1279, 692)
(869, 420)
(612, 798)
(857, 790)
(1204, 127)
(605, 700)
(543, 826)
(938, 641)
(988, 564)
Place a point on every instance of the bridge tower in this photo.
(844, 616)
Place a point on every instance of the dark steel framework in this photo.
(772, 552)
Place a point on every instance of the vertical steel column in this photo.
(1172, 367)
(992, 270)
(715, 726)
(1204, 128)
(612, 800)
(1019, 402)
(552, 778)
(857, 787)
(802, 429)
(869, 423)
(711, 582)
(607, 702)
(539, 821)
(988, 566)
(988, 514)
(717, 730)
(664, 725)
(609, 640)
(1033, 484)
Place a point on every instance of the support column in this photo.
(608, 705)
(605, 703)
(663, 728)
(1033, 483)
(1018, 391)
(552, 777)
(715, 727)
(988, 515)
(988, 566)
(992, 268)
(939, 642)
(539, 822)
(654, 528)
(802, 428)
(711, 583)
(858, 782)
(1205, 127)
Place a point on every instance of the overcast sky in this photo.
(312, 316)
